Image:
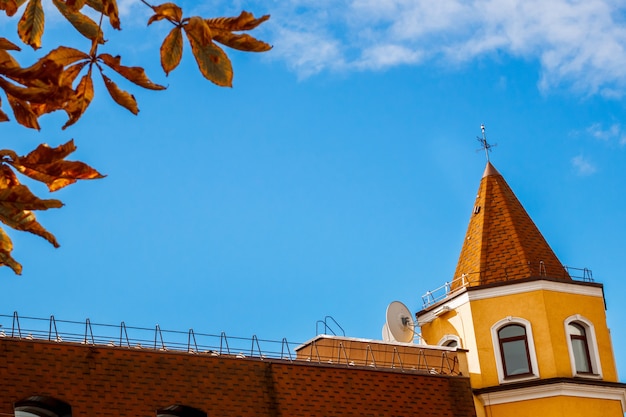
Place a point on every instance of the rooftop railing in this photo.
(472, 279)
(370, 354)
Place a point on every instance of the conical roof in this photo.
(502, 243)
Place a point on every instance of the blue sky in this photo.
(339, 173)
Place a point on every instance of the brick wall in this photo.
(114, 381)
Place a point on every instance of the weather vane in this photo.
(483, 141)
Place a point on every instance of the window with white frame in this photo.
(583, 347)
(514, 349)
(450, 340)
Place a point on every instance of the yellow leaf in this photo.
(241, 42)
(48, 165)
(120, 96)
(168, 11)
(76, 106)
(172, 50)
(6, 247)
(245, 21)
(83, 24)
(30, 26)
(212, 61)
(136, 75)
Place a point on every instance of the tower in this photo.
(535, 331)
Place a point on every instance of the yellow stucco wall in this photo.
(557, 406)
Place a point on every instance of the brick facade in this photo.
(126, 382)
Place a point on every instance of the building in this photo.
(536, 336)
(513, 334)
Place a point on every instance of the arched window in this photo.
(583, 348)
(179, 410)
(580, 348)
(450, 340)
(514, 350)
(41, 406)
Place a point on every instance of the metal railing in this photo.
(416, 358)
(476, 278)
(122, 335)
(355, 353)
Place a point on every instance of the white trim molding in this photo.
(534, 368)
(567, 389)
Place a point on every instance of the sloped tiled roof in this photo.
(502, 243)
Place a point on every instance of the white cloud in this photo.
(582, 166)
(613, 134)
(581, 44)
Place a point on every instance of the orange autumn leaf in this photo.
(75, 5)
(6, 247)
(242, 42)
(172, 50)
(11, 6)
(211, 59)
(168, 11)
(108, 8)
(49, 166)
(76, 106)
(136, 75)
(83, 24)
(245, 21)
(23, 112)
(121, 97)
(16, 203)
(3, 115)
(30, 26)
(7, 45)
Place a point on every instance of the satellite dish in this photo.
(399, 322)
(387, 337)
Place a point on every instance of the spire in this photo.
(502, 243)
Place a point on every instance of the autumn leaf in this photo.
(35, 94)
(16, 203)
(242, 42)
(10, 6)
(172, 50)
(83, 24)
(81, 100)
(49, 166)
(75, 5)
(108, 8)
(23, 113)
(6, 44)
(211, 59)
(3, 116)
(136, 75)
(6, 247)
(45, 74)
(121, 97)
(30, 26)
(168, 11)
(245, 21)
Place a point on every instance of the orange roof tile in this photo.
(502, 243)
